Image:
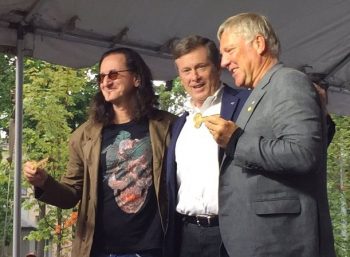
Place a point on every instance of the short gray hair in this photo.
(249, 25)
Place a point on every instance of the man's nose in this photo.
(107, 81)
(195, 75)
(224, 61)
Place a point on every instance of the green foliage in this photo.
(82, 100)
(7, 90)
(82, 97)
(171, 99)
(339, 185)
(47, 227)
(55, 103)
(6, 196)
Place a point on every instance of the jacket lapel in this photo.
(177, 127)
(91, 150)
(170, 161)
(158, 129)
(249, 107)
(255, 97)
(228, 104)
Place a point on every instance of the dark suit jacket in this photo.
(232, 103)
(330, 129)
(272, 193)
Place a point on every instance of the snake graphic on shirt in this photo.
(129, 171)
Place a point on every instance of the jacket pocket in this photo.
(277, 206)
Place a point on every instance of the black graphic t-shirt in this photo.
(127, 216)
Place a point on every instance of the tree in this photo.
(7, 90)
(7, 86)
(172, 97)
(339, 185)
(55, 100)
(6, 193)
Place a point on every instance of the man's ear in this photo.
(137, 82)
(259, 43)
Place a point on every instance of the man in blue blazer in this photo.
(272, 189)
(193, 158)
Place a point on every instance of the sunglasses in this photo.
(112, 75)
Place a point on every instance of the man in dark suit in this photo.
(193, 155)
(272, 189)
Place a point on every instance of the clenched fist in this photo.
(34, 172)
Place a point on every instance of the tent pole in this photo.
(18, 146)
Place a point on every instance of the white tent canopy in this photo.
(314, 34)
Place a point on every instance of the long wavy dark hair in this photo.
(146, 99)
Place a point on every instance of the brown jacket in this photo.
(80, 181)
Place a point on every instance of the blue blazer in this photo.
(232, 103)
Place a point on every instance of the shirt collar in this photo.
(210, 101)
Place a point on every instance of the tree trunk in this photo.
(59, 221)
(41, 244)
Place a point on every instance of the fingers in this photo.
(198, 119)
(34, 175)
(221, 129)
(216, 123)
(215, 119)
(29, 169)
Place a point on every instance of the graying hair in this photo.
(249, 25)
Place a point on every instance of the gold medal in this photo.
(198, 119)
